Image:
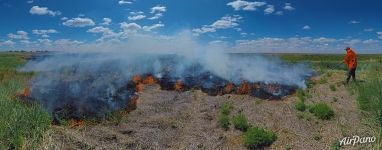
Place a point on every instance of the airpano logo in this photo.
(357, 140)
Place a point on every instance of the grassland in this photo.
(21, 126)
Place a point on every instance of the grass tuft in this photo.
(240, 122)
(322, 111)
(256, 138)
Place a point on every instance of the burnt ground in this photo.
(188, 120)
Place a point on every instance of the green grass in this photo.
(322, 111)
(300, 105)
(223, 121)
(255, 138)
(323, 80)
(21, 126)
(226, 108)
(240, 122)
(332, 87)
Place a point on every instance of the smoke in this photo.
(98, 72)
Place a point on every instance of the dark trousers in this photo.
(351, 73)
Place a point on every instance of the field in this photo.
(315, 118)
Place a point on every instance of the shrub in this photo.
(226, 108)
(300, 105)
(301, 94)
(224, 121)
(256, 138)
(332, 87)
(322, 111)
(323, 80)
(240, 122)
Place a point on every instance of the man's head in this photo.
(347, 48)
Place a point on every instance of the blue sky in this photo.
(325, 26)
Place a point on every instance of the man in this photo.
(350, 60)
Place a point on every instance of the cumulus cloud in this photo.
(223, 23)
(7, 43)
(288, 6)
(245, 5)
(79, 22)
(368, 30)
(379, 35)
(354, 22)
(107, 33)
(136, 17)
(37, 10)
(44, 33)
(152, 27)
(306, 27)
(20, 35)
(121, 2)
(106, 21)
(269, 10)
(157, 11)
(370, 41)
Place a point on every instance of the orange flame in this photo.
(26, 92)
(149, 80)
(139, 87)
(229, 88)
(137, 79)
(178, 85)
(76, 122)
(244, 88)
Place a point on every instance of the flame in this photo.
(76, 122)
(139, 87)
(137, 79)
(149, 80)
(229, 88)
(178, 85)
(26, 92)
(244, 88)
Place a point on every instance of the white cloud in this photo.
(7, 43)
(152, 27)
(136, 17)
(288, 6)
(121, 2)
(79, 22)
(129, 28)
(279, 13)
(270, 9)
(379, 35)
(156, 16)
(45, 42)
(226, 22)
(106, 32)
(245, 5)
(353, 42)
(368, 30)
(370, 41)
(306, 27)
(67, 42)
(64, 18)
(354, 22)
(37, 10)
(158, 9)
(44, 33)
(223, 23)
(106, 21)
(20, 35)
(30, 1)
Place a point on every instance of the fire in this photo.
(178, 85)
(76, 122)
(229, 88)
(137, 79)
(139, 87)
(149, 80)
(244, 88)
(26, 92)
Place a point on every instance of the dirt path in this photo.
(188, 120)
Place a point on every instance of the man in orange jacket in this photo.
(350, 60)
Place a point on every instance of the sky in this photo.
(282, 26)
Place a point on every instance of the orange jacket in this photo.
(350, 59)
